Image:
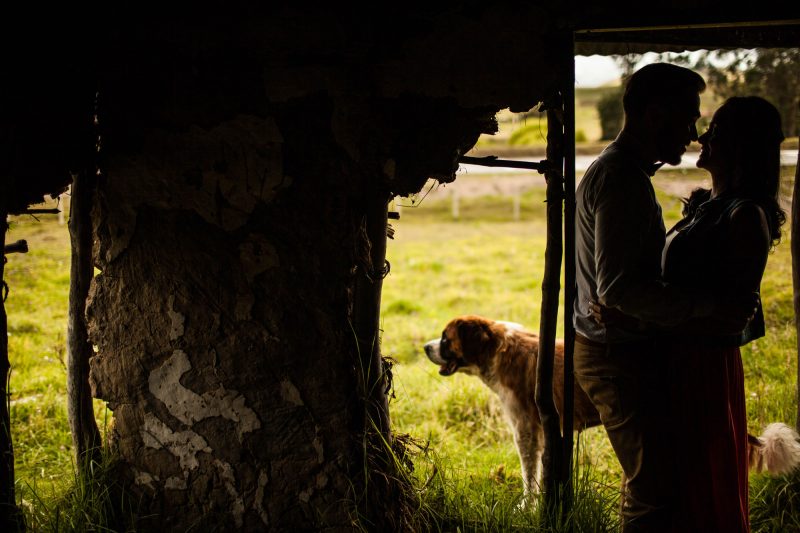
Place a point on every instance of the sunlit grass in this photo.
(37, 323)
(485, 263)
(37, 320)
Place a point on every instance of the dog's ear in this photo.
(475, 337)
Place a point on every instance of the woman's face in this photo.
(719, 151)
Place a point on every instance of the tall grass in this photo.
(93, 500)
(452, 501)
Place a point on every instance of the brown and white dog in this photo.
(503, 355)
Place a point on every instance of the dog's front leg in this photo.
(529, 447)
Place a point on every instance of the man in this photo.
(619, 238)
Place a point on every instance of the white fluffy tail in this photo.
(777, 450)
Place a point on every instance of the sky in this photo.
(593, 71)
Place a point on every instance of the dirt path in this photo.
(470, 186)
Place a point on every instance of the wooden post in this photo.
(570, 288)
(551, 458)
(10, 515)
(795, 215)
(367, 313)
(373, 381)
(85, 435)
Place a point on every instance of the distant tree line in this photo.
(771, 73)
(609, 107)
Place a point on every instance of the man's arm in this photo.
(626, 256)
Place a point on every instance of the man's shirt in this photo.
(619, 240)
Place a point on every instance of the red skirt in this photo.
(710, 420)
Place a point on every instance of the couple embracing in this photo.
(660, 316)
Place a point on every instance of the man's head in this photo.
(662, 103)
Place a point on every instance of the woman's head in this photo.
(741, 149)
(743, 143)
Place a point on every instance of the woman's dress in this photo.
(706, 380)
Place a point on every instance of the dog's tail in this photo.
(777, 450)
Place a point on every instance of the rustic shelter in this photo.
(239, 217)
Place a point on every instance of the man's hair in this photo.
(661, 83)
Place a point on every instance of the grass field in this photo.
(484, 263)
(37, 320)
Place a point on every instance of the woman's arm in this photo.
(749, 239)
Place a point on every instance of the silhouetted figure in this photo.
(721, 245)
(620, 238)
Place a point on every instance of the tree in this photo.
(767, 72)
(609, 107)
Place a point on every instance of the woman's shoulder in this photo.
(749, 222)
(746, 210)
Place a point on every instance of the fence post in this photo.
(85, 435)
(570, 287)
(552, 456)
(795, 215)
(10, 516)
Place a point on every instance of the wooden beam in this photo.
(579, 33)
(80, 411)
(551, 285)
(492, 161)
(570, 287)
(371, 374)
(795, 236)
(682, 37)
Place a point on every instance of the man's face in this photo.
(675, 128)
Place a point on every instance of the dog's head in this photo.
(467, 344)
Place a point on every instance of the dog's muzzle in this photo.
(432, 350)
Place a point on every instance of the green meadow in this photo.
(488, 264)
(465, 466)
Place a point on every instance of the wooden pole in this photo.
(795, 216)
(552, 456)
(373, 380)
(85, 435)
(10, 515)
(492, 161)
(367, 314)
(570, 288)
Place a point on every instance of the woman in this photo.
(721, 246)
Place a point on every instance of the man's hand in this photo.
(733, 313)
(610, 316)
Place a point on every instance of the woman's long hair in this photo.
(755, 127)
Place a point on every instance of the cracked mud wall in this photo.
(217, 317)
